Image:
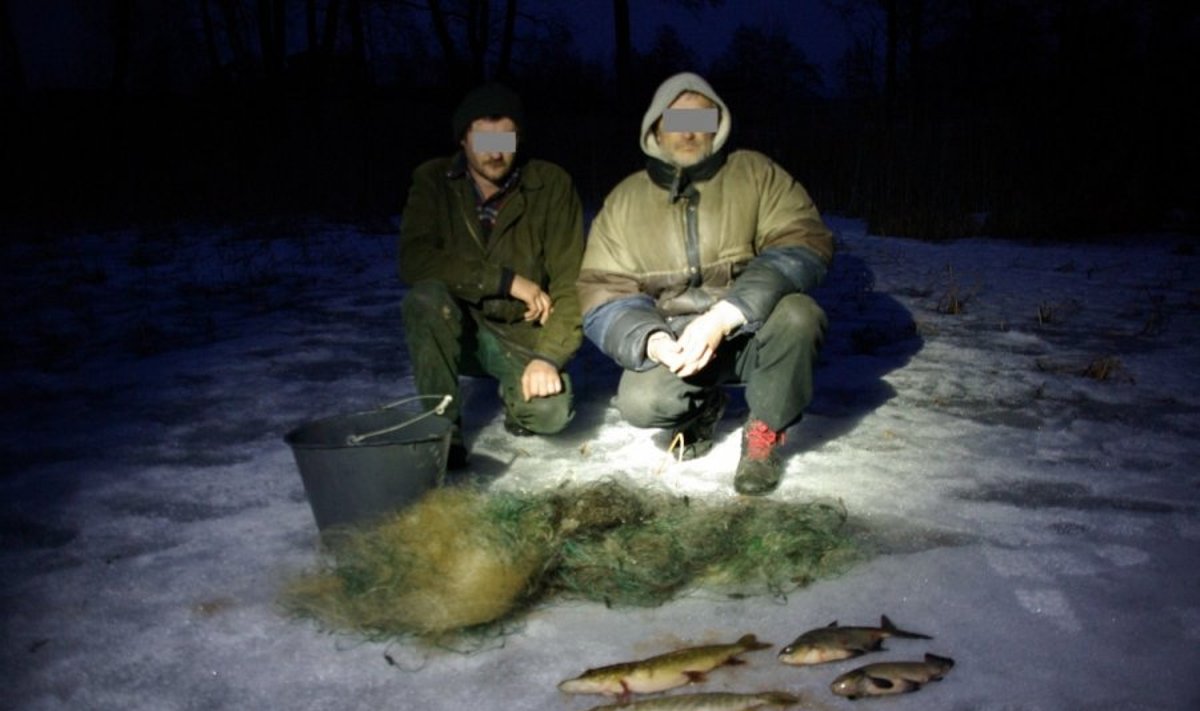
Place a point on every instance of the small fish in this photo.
(829, 644)
(661, 672)
(709, 701)
(886, 678)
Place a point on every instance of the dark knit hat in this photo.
(492, 99)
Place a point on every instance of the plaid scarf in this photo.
(487, 209)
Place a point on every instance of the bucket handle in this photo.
(438, 409)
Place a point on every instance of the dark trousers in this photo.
(775, 363)
(444, 342)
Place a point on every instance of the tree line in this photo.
(943, 118)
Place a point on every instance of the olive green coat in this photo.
(538, 235)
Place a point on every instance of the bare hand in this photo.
(538, 306)
(540, 379)
(698, 343)
(665, 350)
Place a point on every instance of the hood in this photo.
(667, 92)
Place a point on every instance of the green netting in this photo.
(464, 557)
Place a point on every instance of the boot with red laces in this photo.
(760, 467)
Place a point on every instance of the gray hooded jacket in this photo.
(670, 242)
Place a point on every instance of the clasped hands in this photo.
(696, 346)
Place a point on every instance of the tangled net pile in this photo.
(463, 558)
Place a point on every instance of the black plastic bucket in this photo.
(361, 466)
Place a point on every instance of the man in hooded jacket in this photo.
(490, 249)
(695, 275)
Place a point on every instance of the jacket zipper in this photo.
(692, 240)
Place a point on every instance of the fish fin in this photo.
(832, 624)
(935, 659)
(695, 677)
(778, 698)
(891, 628)
(750, 642)
(881, 681)
(625, 695)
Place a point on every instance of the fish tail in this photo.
(935, 659)
(895, 631)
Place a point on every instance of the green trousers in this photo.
(775, 363)
(445, 341)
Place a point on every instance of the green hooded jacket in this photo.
(538, 235)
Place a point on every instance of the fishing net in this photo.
(464, 557)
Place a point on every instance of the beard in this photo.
(690, 156)
(495, 170)
(686, 153)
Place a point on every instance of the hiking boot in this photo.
(760, 467)
(697, 435)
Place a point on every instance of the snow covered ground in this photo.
(1026, 468)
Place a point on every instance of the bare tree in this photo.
(623, 54)
(507, 34)
(441, 31)
(242, 60)
(904, 27)
(121, 14)
(467, 33)
(623, 46)
(272, 33)
(311, 33)
(330, 31)
(12, 74)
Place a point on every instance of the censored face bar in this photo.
(690, 120)
(494, 141)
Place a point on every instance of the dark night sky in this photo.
(59, 48)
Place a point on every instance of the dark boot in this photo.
(457, 456)
(760, 468)
(695, 438)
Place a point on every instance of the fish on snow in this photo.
(706, 701)
(661, 672)
(887, 678)
(832, 643)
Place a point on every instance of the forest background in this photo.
(941, 118)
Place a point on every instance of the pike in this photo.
(661, 672)
(709, 701)
(887, 678)
(832, 643)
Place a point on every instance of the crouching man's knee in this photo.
(540, 415)
(543, 415)
(797, 317)
(651, 398)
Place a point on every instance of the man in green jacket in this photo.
(490, 249)
(695, 275)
